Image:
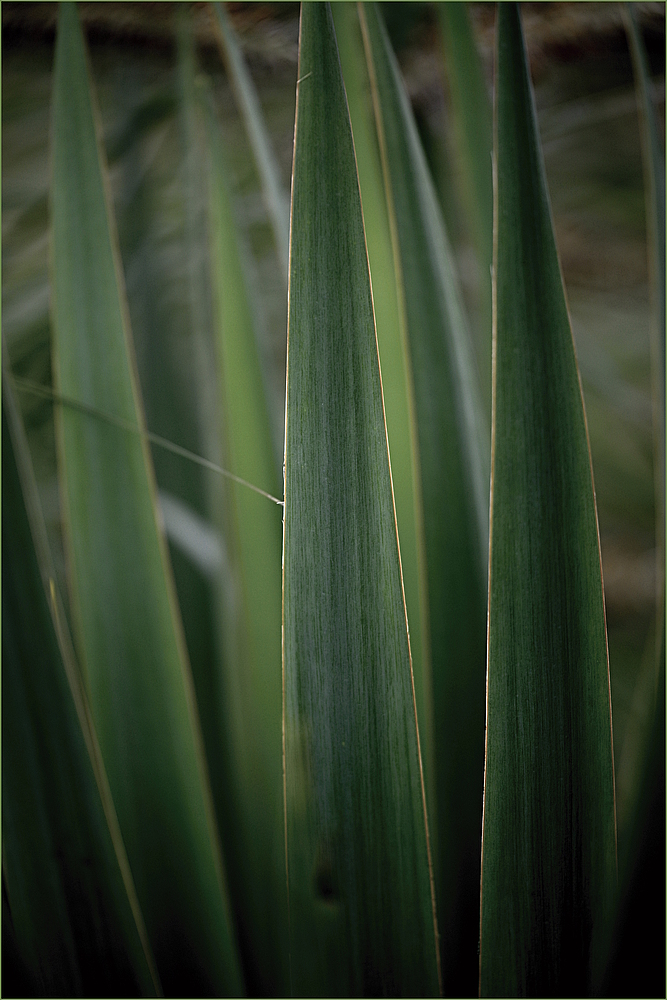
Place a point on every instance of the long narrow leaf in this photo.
(160, 223)
(396, 386)
(472, 122)
(127, 626)
(548, 856)
(654, 185)
(70, 897)
(361, 908)
(246, 95)
(251, 607)
(198, 291)
(454, 496)
(639, 919)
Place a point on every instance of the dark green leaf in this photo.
(69, 904)
(361, 909)
(548, 854)
(393, 347)
(454, 497)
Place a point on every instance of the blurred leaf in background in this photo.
(70, 912)
(127, 626)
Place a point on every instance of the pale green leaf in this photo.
(473, 131)
(246, 95)
(250, 685)
(128, 632)
(654, 185)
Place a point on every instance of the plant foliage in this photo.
(221, 781)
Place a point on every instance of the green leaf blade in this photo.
(451, 447)
(248, 100)
(360, 900)
(399, 410)
(653, 158)
(69, 893)
(473, 128)
(127, 624)
(548, 857)
(251, 600)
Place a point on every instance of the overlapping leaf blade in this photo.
(127, 625)
(548, 855)
(396, 387)
(70, 900)
(250, 698)
(451, 444)
(360, 901)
